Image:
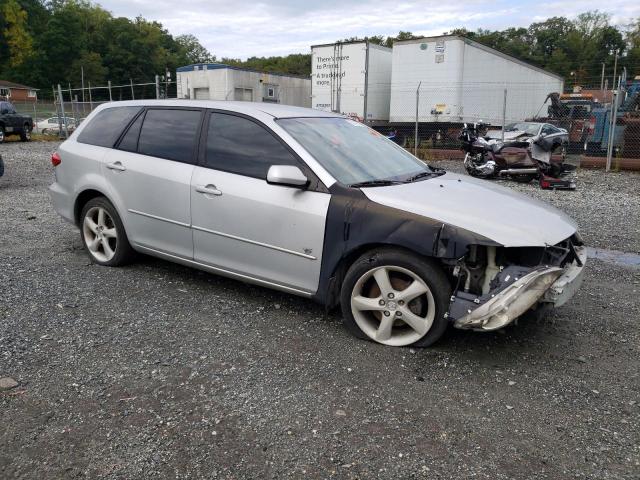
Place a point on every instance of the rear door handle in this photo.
(208, 190)
(116, 166)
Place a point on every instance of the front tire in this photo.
(2, 134)
(103, 234)
(395, 298)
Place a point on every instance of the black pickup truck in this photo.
(13, 123)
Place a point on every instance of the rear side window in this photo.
(130, 140)
(105, 128)
(238, 145)
(170, 134)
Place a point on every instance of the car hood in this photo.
(497, 134)
(497, 213)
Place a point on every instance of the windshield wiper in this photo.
(374, 183)
(434, 172)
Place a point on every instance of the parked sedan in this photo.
(52, 125)
(317, 205)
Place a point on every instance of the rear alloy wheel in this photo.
(1, 134)
(103, 234)
(395, 298)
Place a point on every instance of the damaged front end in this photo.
(495, 285)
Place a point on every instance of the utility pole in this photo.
(615, 67)
(415, 140)
(602, 78)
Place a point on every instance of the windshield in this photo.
(528, 128)
(352, 152)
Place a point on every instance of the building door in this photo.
(201, 93)
(243, 94)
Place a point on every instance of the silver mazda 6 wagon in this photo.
(317, 205)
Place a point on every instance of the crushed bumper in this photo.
(552, 285)
(569, 282)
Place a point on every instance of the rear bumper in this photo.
(552, 285)
(61, 200)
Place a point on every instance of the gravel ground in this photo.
(159, 371)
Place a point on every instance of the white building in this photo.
(352, 78)
(217, 81)
(463, 81)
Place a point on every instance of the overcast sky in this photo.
(240, 29)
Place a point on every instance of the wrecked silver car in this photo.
(317, 205)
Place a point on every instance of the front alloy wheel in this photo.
(395, 298)
(392, 305)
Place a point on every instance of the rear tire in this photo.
(25, 135)
(103, 234)
(395, 298)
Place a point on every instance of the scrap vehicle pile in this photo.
(523, 151)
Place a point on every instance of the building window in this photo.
(5, 92)
(31, 94)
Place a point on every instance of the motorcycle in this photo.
(523, 158)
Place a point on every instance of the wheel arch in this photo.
(332, 294)
(82, 198)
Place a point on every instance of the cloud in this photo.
(241, 29)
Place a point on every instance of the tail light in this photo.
(55, 159)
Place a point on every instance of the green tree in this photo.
(91, 64)
(15, 33)
(193, 51)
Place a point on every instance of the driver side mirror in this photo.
(287, 175)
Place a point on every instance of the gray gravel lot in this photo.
(160, 371)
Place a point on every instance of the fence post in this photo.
(64, 117)
(90, 100)
(612, 127)
(35, 111)
(415, 139)
(132, 95)
(110, 97)
(157, 87)
(504, 112)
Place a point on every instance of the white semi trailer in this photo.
(460, 80)
(352, 78)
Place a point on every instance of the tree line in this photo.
(45, 42)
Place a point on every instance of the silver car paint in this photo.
(270, 232)
(153, 198)
(495, 212)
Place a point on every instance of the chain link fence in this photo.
(426, 118)
(602, 124)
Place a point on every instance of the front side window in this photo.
(239, 145)
(105, 128)
(352, 152)
(170, 134)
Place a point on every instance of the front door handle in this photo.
(116, 166)
(208, 190)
